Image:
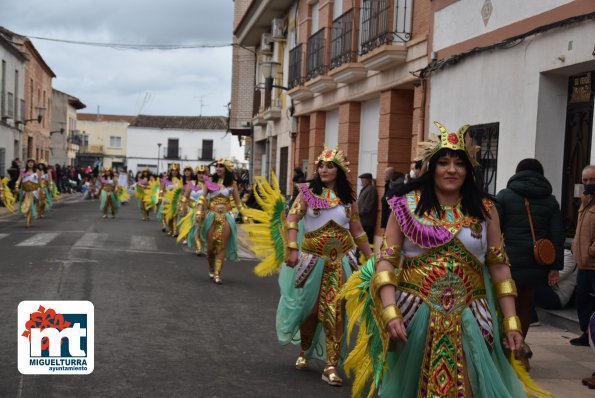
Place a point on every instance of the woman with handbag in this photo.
(529, 217)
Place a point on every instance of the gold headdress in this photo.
(43, 162)
(174, 166)
(201, 168)
(226, 162)
(187, 166)
(336, 156)
(451, 140)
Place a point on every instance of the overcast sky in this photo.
(129, 82)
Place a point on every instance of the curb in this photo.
(561, 319)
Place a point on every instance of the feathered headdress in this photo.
(336, 156)
(227, 163)
(451, 140)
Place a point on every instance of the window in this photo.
(2, 90)
(115, 142)
(486, 137)
(172, 148)
(207, 150)
(2, 162)
(9, 108)
(84, 140)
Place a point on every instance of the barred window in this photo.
(486, 136)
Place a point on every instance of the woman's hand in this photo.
(513, 340)
(396, 329)
(553, 277)
(292, 259)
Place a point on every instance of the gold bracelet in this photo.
(383, 278)
(292, 225)
(361, 238)
(512, 324)
(504, 288)
(184, 199)
(390, 312)
(391, 254)
(292, 245)
(497, 254)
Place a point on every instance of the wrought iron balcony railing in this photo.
(342, 45)
(315, 55)
(377, 25)
(295, 67)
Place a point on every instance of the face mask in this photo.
(412, 174)
(589, 189)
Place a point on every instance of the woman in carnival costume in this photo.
(325, 213)
(45, 201)
(188, 180)
(169, 190)
(440, 289)
(6, 195)
(219, 232)
(27, 187)
(189, 228)
(108, 193)
(141, 191)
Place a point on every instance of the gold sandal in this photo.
(301, 362)
(331, 376)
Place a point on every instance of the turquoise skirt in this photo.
(231, 251)
(103, 200)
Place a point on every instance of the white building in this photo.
(157, 142)
(522, 74)
(12, 103)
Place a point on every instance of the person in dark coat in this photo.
(367, 203)
(529, 182)
(392, 181)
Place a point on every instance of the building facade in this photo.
(11, 102)
(158, 142)
(342, 77)
(102, 139)
(64, 136)
(522, 74)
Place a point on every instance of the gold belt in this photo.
(330, 241)
(29, 186)
(44, 183)
(108, 188)
(220, 205)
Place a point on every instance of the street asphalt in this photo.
(162, 328)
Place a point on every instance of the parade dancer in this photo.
(108, 193)
(319, 259)
(189, 228)
(169, 191)
(27, 186)
(6, 195)
(46, 194)
(219, 232)
(440, 289)
(141, 190)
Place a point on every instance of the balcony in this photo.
(344, 66)
(91, 149)
(296, 75)
(381, 40)
(317, 66)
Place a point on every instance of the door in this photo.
(577, 146)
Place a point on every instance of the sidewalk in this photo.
(558, 366)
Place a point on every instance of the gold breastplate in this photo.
(447, 278)
(331, 241)
(220, 204)
(44, 183)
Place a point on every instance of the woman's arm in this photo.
(357, 231)
(296, 213)
(499, 268)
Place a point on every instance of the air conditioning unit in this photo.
(265, 43)
(278, 29)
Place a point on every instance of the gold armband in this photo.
(383, 278)
(506, 287)
(511, 323)
(389, 313)
(292, 225)
(354, 217)
(297, 208)
(497, 254)
(184, 199)
(361, 238)
(392, 254)
(292, 245)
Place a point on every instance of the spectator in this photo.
(392, 180)
(298, 178)
(558, 296)
(529, 182)
(415, 171)
(367, 203)
(583, 248)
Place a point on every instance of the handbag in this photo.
(544, 251)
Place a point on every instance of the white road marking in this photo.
(40, 239)
(146, 243)
(91, 239)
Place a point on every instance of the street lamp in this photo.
(39, 118)
(269, 71)
(158, 154)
